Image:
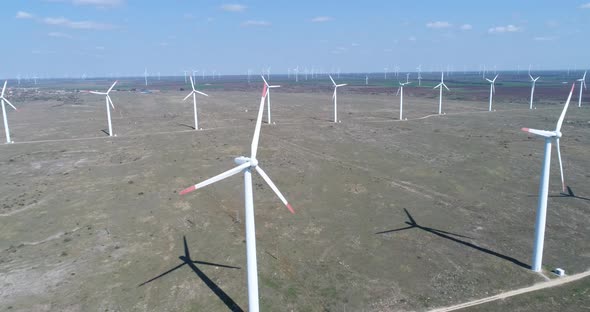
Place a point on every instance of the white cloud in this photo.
(412, 38)
(255, 23)
(585, 6)
(233, 7)
(545, 38)
(59, 35)
(466, 27)
(96, 3)
(504, 29)
(23, 15)
(438, 25)
(62, 21)
(322, 19)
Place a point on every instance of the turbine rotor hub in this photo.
(253, 162)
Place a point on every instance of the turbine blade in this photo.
(531, 77)
(96, 92)
(342, 85)
(266, 83)
(192, 83)
(489, 80)
(277, 86)
(216, 178)
(111, 88)
(110, 101)
(274, 188)
(397, 93)
(254, 146)
(7, 101)
(567, 103)
(438, 85)
(186, 97)
(332, 80)
(446, 87)
(201, 93)
(563, 187)
(543, 133)
(4, 88)
(334, 94)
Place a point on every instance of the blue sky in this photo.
(100, 37)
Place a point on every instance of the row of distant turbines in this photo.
(400, 92)
(245, 165)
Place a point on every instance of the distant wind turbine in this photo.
(268, 96)
(194, 94)
(492, 90)
(400, 92)
(335, 97)
(441, 85)
(108, 101)
(534, 81)
(145, 75)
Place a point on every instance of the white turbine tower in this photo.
(441, 85)
(108, 101)
(544, 183)
(145, 75)
(534, 81)
(366, 80)
(335, 97)
(3, 99)
(582, 84)
(296, 71)
(245, 165)
(400, 92)
(268, 96)
(194, 94)
(492, 90)
(419, 69)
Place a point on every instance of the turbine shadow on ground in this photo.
(186, 260)
(185, 125)
(570, 194)
(448, 235)
(105, 131)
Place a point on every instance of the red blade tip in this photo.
(525, 129)
(188, 190)
(290, 208)
(264, 91)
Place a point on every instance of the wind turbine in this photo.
(296, 71)
(145, 74)
(385, 72)
(366, 80)
(441, 85)
(582, 84)
(335, 97)
(245, 165)
(492, 90)
(108, 101)
(268, 96)
(544, 183)
(194, 94)
(185, 76)
(3, 99)
(534, 81)
(407, 78)
(419, 68)
(400, 92)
